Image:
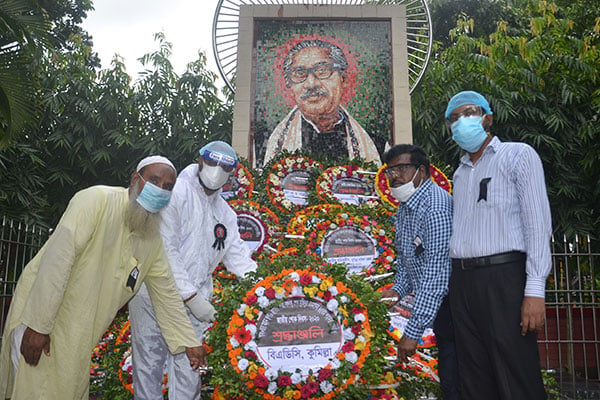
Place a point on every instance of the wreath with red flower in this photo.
(243, 185)
(303, 220)
(382, 238)
(267, 218)
(382, 184)
(279, 172)
(366, 179)
(326, 382)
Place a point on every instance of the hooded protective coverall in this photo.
(188, 227)
(73, 288)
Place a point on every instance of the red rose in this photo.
(270, 293)
(354, 369)
(284, 380)
(250, 354)
(356, 328)
(251, 299)
(261, 381)
(357, 310)
(327, 295)
(305, 279)
(309, 389)
(324, 374)
(348, 347)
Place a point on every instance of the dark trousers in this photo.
(447, 363)
(494, 360)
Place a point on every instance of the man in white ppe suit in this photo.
(199, 230)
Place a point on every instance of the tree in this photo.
(542, 85)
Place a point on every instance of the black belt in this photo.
(486, 261)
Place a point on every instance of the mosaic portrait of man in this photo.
(325, 92)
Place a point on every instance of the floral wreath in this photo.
(266, 217)
(302, 220)
(385, 251)
(325, 383)
(279, 171)
(382, 184)
(327, 178)
(244, 180)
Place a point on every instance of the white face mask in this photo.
(213, 177)
(403, 192)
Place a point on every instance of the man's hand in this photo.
(533, 314)
(197, 356)
(406, 348)
(32, 345)
(390, 294)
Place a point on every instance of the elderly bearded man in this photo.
(106, 243)
(314, 72)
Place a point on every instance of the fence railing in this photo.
(569, 344)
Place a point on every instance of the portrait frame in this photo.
(250, 131)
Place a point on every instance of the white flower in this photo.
(361, 338)
(234, 342)
(326, 386)
(271, 374)
(316, 279)
(333, 290)
(297, 291)
(251, 328)
(389, 258)
(332, 305)
(272, 388)
(241, 309)
(352, 357)
(332, 226)
(335, 363)
(259, 291)
(359, 317)
(296, 378)
(263, 301)
(367, 229)
(243, 364)
(279, 295)
(344, 216)
(344, 299)
(295, 276)
(348, 335)
(381, 232)
(250, 346)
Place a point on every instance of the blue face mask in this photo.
(153, 198)
(468, 133)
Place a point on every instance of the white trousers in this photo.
(149, 353)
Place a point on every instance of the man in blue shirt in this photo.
(423, 226)
(500, 250)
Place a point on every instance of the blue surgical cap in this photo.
(467, 97)
(219, 152)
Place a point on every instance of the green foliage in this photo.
(542, 84)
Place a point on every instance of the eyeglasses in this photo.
(320, 71)
(467, 112)
(213, 163)
(399, 169)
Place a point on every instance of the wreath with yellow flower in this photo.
(348, 184)
(283, 192)
(304, 219)
(380, 235)
(260, 214)
(240, 184)
(382, 184)
(320, 384)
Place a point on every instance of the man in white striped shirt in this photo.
(500, 250)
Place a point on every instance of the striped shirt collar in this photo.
(493, 146)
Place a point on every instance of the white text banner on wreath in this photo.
(351, 246)
(298, 334)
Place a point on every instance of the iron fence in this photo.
(569, 344)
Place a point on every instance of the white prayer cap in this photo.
(154, 160)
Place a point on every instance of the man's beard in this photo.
(137, 218)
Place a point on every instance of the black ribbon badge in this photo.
(220, 236)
